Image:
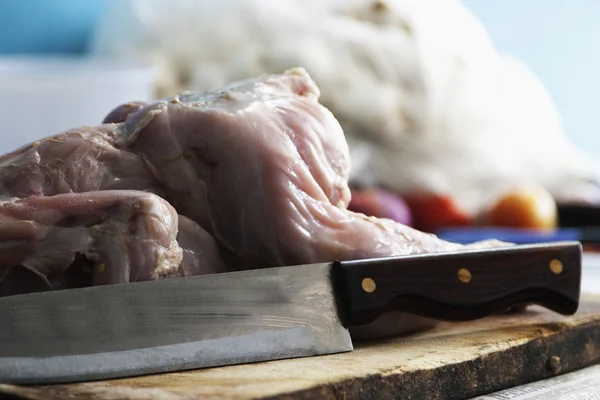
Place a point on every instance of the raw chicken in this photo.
(258, 171)
(264, 167)
(129, 234)
(201, 253)
(75, 198)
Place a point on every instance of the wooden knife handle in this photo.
(461, 286)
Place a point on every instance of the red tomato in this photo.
(431, 212)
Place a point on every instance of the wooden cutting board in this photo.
(454, 361)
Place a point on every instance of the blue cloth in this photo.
(48, 26)
(514, 235)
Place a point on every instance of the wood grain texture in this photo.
(453, 361)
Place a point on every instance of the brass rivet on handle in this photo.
(555, 364)
(464, 275)
(101, 268)
(556, 266)
(368, 285)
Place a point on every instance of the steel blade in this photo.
(169, 325)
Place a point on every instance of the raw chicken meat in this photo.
(266, 173)
(258, 172)
(129, 234)
(75, 198)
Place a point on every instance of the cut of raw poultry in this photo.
(252, 175)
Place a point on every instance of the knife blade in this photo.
(268, 314)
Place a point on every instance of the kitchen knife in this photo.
(267, 314)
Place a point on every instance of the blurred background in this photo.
(458, 114)
(555, 38)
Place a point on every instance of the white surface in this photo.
(43, 96)
(582, 384)
(590, 280)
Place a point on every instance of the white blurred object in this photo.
(427, 103)
(590, 274)
(42, 96)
